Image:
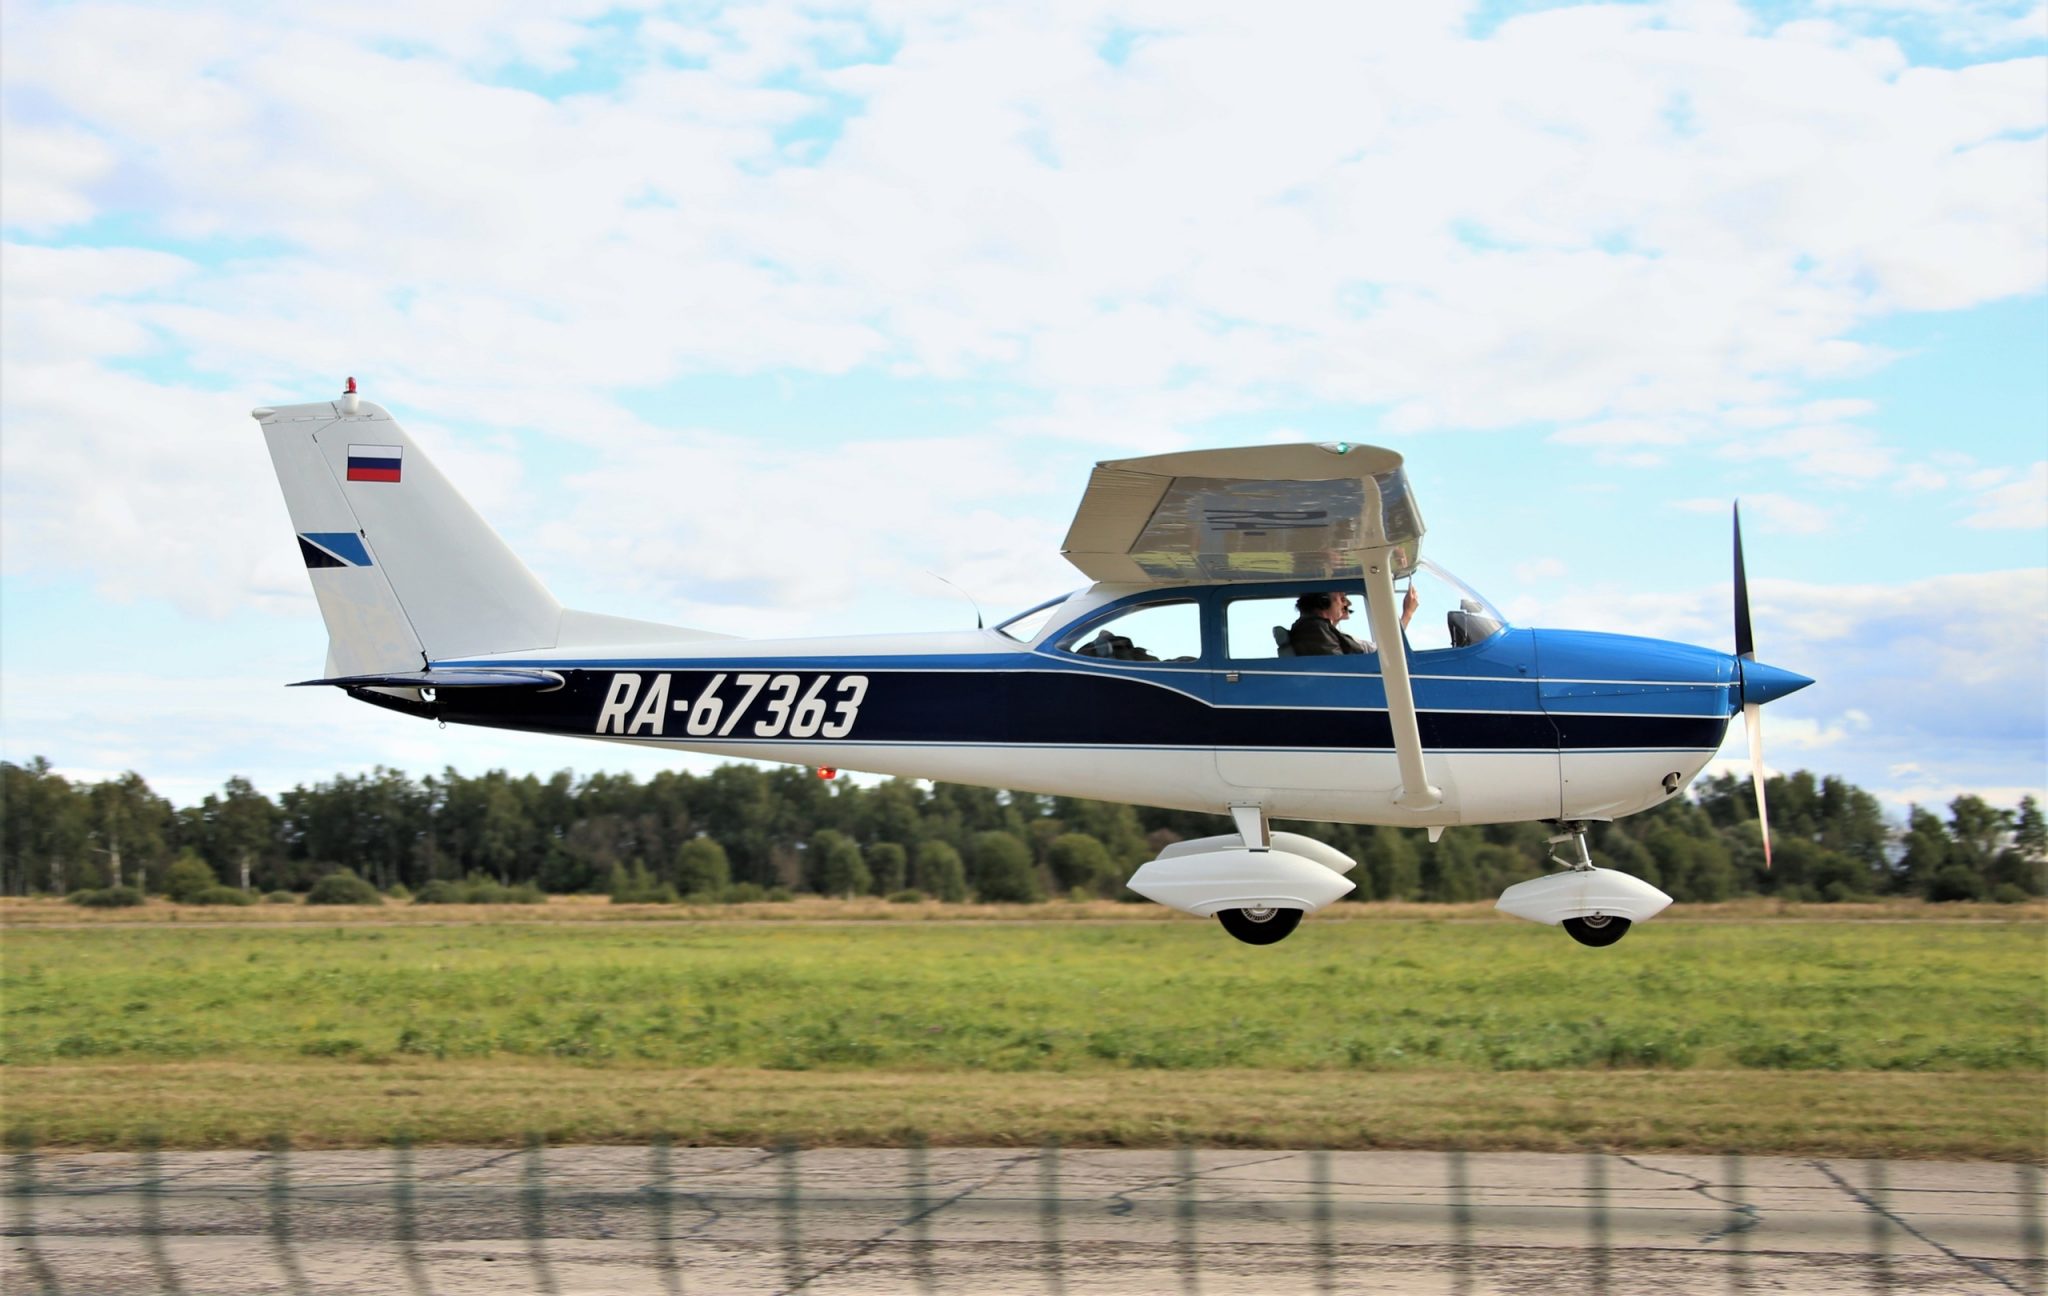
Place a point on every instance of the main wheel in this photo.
(1259, 926)
(1597, 929)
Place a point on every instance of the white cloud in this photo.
(1650, 226)
(2017, 505)
(1368, 216)
(50, 171)
(1775, 513)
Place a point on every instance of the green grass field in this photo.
(1894, 1038)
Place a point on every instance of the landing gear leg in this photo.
(1592, 929)
(1575, 833)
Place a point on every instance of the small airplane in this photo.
(1170, 680)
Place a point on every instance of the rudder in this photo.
(406, 572)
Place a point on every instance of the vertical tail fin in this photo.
(405, 570)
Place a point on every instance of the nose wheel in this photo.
(1596, 929)
(1259, 926)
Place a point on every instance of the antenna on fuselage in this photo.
(962, 593)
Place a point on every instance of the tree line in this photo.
(742, 831)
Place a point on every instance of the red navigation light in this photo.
(349, 390)
(827, 772)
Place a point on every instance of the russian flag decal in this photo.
(373, 462)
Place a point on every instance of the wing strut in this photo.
(1417, 793)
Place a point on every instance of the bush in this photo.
(939, 873)
(889, 866)
(742, 893)
(1080, 863)
(1956, 882)
(2007, 893)
(280, 897)
(833, 865)
(702, 868)
(398, 891)
(222, 895)
(906, 897)
(1002, 870)
(478, 889)
(638, 886)
(343, 888)
(187, 876)
(114, 897)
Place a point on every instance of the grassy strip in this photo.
(38, 911)
(335, 1105)
(1051, 997)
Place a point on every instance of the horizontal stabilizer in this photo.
(544, 680)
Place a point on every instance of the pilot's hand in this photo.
(1409, 604)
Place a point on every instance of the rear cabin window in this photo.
(1155, 632)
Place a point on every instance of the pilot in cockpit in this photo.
(1315, 632)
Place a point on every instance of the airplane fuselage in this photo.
(1526, 725)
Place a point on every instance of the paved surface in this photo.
(740, 1220)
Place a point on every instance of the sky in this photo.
(765, 318)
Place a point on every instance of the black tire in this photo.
(1267, 927)
(1600, 930)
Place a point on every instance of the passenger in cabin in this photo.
(1315, 633)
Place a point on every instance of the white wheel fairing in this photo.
(1213, 881)
(1583, 893)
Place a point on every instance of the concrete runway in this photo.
(736, 1221)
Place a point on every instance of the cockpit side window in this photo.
(1256, 628)
(1150, 632)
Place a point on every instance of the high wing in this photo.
(1255, 513)
(1262, 513)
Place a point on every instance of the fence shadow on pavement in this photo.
(670, 1219)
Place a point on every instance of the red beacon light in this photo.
(348, 398)
(827, 772)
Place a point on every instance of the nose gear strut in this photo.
(1575, 833)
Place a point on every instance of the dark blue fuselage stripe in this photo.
(1084, 709)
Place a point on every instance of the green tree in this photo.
(939, 873)
(1925, 853)
(701, 867)
(833, 866)
(999, 868)
(889, 865)
(635, 884)
(240, 829)
(1980, 834)
(1080, 862)
(2027, 864)
(1448, 873)
(187, 876)
(1394, 865)
(44, 825)
(130, 827)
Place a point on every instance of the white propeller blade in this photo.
(1752, 716)
(1753, 719)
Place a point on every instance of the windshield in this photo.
(1026, 626)
(1452, 614)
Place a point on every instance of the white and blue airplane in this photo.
(1168, 680)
